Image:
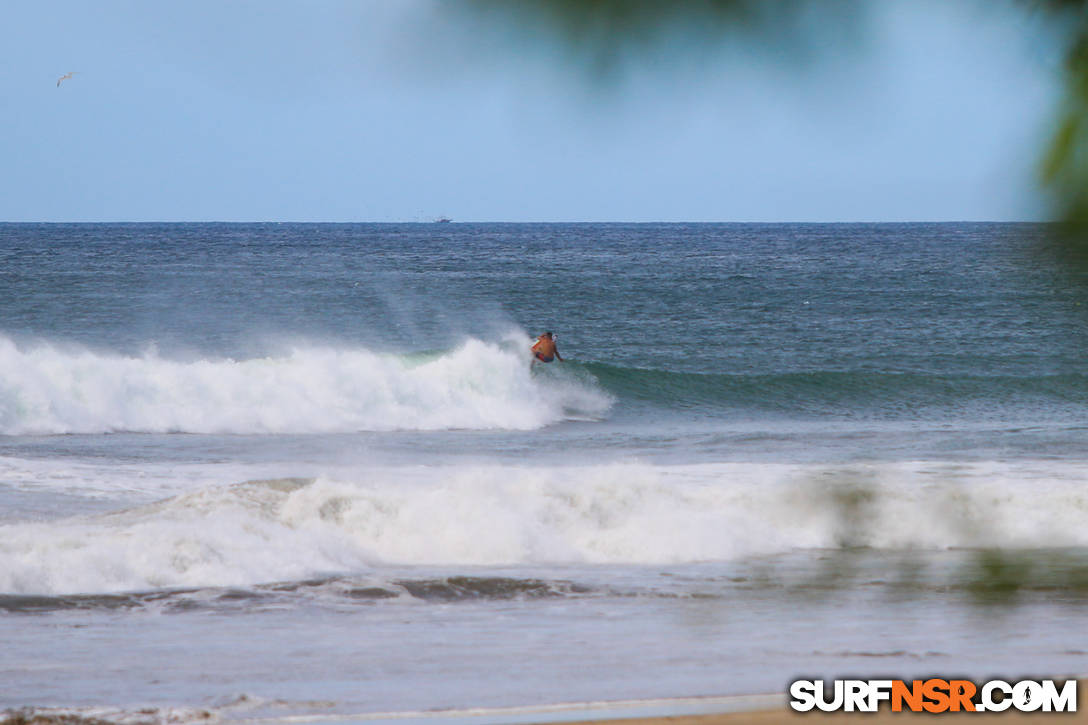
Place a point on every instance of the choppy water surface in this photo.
(265, 470)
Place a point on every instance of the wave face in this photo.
(283, 530)
(45, 389)
(820, 392)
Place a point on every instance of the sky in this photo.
(393, 110)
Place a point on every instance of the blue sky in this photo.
(385, 111)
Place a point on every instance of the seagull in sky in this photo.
(65, 77)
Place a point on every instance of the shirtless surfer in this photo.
(544, 349)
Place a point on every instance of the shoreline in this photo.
(762, 709)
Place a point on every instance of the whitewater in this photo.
(291, 529)
(45, 389)
(270, 472)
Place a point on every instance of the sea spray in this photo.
(45, 389)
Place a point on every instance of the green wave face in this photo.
(853, 394)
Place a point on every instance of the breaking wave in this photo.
(479, 385)
(290, 530)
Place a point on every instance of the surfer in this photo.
(544, 349)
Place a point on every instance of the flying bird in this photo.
(65, 77)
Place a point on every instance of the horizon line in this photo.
(506, 221)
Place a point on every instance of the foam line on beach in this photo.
(556, 712)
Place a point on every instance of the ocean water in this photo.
(271, 470)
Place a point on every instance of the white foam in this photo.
(495, 515)
(479, 385)
(131, 482)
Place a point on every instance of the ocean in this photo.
(281, 471)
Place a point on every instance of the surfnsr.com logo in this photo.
(934, 695)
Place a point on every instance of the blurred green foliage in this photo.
(600, 36)
(1065, 163)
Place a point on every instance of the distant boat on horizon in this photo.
(443, 220)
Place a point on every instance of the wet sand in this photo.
(784, 715)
